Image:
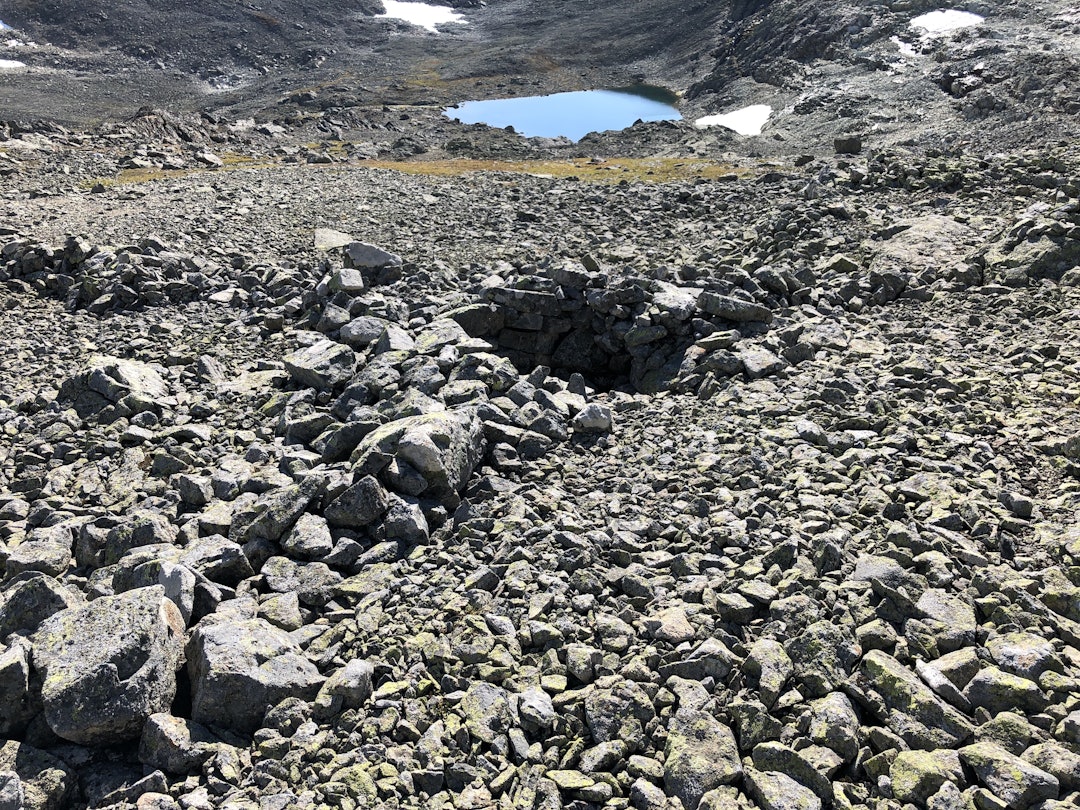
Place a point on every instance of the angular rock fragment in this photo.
(443, 447)
(309, 538)
(17, 703)
(30, 599)
(363, 255)
(45, 550)
(834, 724)
(823, 655)
(175, 745)
(486, 710)
(769, 663)
(323, 365)
(759, 362)
(106, 379)
(329, 239)
(997, 691)
(918, 775)
(274, 513)
(777, 791)
(1024, 654)
(1058, 760)
(1018, 783)
(42, 782)
(913, 711)
(348, 688)
(700, 754)
(617, 709)
(359, 505)
(775, 756)
(313, 583)
(536, 710)
(593, 418)
(734, 309)
(240, 669)
(955, 617)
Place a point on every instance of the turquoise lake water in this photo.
(571, 115)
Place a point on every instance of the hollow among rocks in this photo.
(646, 333)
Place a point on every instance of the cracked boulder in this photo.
(444, 447)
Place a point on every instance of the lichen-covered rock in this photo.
(106, 379)
(777, 791)
(823, 655)
(536, 710)
(12, 795)
(309, 538)
(44, 782)
(1024, 654)
(918, 715)
(1058, 760)
(323, 365)
(617, 709)
(47, 550)
(273, 514)
(775, 756)
(770, 664)
(486, 710)
(348, 688)
(108, 665)
(998, 691)
(834, 724)
(955, 618)
(730, 308)
(313, 583)
(175, 745)
(918, 775)
(444, 447)
(1010, 730)
(17, 701)
(1016, 782)
(141, 528)
(30, 599)
(359, 505)
(700, 755)
(239, 669)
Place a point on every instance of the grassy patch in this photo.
(648, 170)
(131, 177)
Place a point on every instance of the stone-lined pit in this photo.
(643, 332)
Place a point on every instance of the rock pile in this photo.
(795, 530)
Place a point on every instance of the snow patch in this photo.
(224, 84)
(4, 26)
(944, 21)
(421, 14)
(747, 121)
(905, 48)
(11, 64)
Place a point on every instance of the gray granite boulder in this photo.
(700, 755)
(323, 365)
(108, 665)
(238, 669)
